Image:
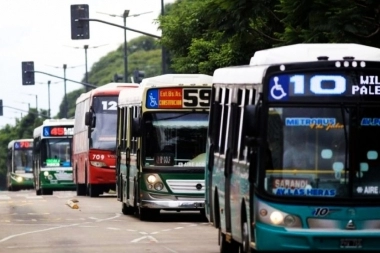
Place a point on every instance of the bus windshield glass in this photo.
(22, 161)
(175, 139)
(56, 152)
(313, 151)
(103, 136)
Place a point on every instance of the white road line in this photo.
(113, 228)
(171, 250)
(4, 197)
(34, 197)
(178, 228)
(138, 239)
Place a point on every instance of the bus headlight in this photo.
(276, 217)
(98, 164)
(151, 179)
(46, 173)
(272, 216)
(158, 186)
(19, 179)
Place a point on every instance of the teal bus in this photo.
(161, 144)
(19, 165)
(52, 156)
(293, 152)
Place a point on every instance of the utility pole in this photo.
(64, 81)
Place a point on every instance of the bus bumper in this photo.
(314, 239)
(183, 203)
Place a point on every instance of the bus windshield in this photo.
(22, 161)
(103, 136)
(175, 139)
(312, 151)
(56, 152)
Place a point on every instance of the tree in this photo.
(203, 35)
(334, 21)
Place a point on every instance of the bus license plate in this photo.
(350, 243)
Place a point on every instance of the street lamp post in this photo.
(64, 81)
(125, 16)
(36, 99)
(48, 83)
(86, 47)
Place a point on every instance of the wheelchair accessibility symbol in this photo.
(277, 92)
(152, 101)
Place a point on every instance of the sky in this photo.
(40, 31)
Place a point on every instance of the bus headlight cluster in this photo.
(46, 173)
(98, 164)
(272, 216)
(19, 179)
(154, 182)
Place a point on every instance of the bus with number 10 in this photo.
(294, 155)
(52, 145)
(19, 164)
(94, 153)
(161, 140)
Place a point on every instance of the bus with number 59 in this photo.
(161, 145)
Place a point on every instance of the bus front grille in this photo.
(187, 186)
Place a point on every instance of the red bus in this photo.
(94, 141)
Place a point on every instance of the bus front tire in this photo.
(127, 210)
(81, 189)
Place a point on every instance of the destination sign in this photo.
(343, 85)
(56, 131)
(178, 98)
(105, 104)
(23, 144)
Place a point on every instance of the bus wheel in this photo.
(81, 190)
(127, 210)
(93, 191)
(38, 192)
(245, 238)
(46, 192)
(224, 245)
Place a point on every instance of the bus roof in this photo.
(52, 122)
(254, 72)
(12, 142)
(107, 89)
(167, 80)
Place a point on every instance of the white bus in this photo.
(52, 156)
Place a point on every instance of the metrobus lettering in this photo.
(290, 183)
(309, 121)
(366, 90)
(370, 122)
(306, 192)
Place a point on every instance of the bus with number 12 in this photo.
(294, 158)
(94, 153)
(52, 145)
(19, 164)
(161, 141)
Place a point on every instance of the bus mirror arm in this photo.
(252, 141)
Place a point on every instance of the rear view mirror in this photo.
(136, 127)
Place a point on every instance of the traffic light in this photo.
(117, 78)
(27, 72)
(138, 76)
(1, 107)
(80, 29)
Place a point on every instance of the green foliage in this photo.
(334, 21)
(203, 35)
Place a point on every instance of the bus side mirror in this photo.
(136, 127)
(250, 120)
(37, 146)
(89, 119)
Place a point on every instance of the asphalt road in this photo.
(38, 224)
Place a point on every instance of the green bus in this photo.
(52, 156)
(293, 160)
(19, 165)
(161, 144)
